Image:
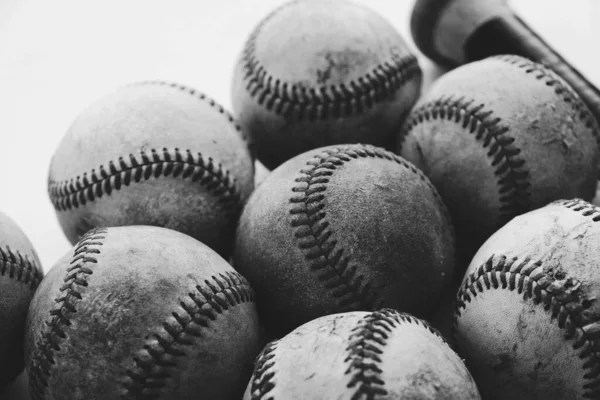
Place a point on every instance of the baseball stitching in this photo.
(560, 295)
(153, 364)
(293, 101)
(586, 209)
(264, 372)
(316, 239)
(71, 193)
(546, 75)
(509, 167)
(203, 97)
(19, 267)
(53, 333)
(367, 341)
(76, 192)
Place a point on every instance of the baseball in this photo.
(454, 32)
(315, 73)
(20, 274)
(156, 154)
(344, 228)
(528, 319)
(141, 312)
(382, 355)
(501, 137)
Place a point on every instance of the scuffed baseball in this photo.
(344, 228)
(500, 137)
(528, 318)
(315, 73)
(141, 312)
(380, 355)
(20, 274)
(153, 153)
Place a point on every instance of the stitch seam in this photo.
(308, 217)
(76, 192)
(583, 207)
(81, 267)
(202, 96)
(563, 300)
(296, 102)
(264, 372)
(509, 167)
(19, 268)
(542, 73)
(154, 363)
(366, 343)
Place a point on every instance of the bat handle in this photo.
(511, 35)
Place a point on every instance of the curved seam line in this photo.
(316, 237)
(342, 101)
(42, 358)
(264, 372)
(533, 290)
(203, 97)
(197, 314)
(366, 343)
(568, 96)
(19, 268)
(513, 177)
(345, 99)
(581, 206)
(362, 343)
(78, 191)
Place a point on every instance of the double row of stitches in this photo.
(509, 166)
(559, 294)
(316, 239)
(586, 209)
(154, 364)
(294, 101)
(202, 97)
(19, 267)
(312, 228)
(54, 330)
(549, 77)
(264, 373)
(366, 345)
(174, 163)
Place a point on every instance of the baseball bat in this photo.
(455, 32)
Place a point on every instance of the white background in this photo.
(58, 56)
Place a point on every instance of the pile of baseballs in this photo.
(338, 236)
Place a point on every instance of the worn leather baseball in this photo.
(380, 355)
(343, 228)
(20, 274)
(141, 312)
(321, 72)
(528, 318)
(156, 154)
(500, 137)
